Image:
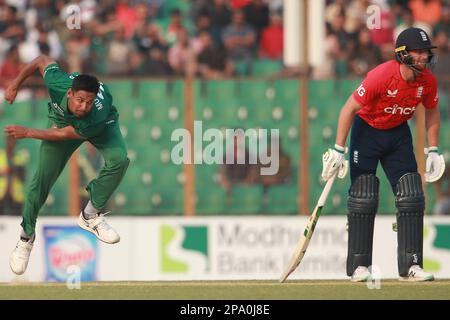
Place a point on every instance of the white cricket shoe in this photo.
(416, 274)
(361, 274)
(18, 260)
(99, 227)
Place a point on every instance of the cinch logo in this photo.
(395, 109)
(184, 249)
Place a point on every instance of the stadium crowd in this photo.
(211, 39)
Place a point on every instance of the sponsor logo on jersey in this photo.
(396, 109)
(58, 108)
(98, 104)
(392, 94)
(361, 90)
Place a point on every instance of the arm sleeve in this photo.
(431, 99)
(368, 91)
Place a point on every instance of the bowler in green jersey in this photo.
(80, 109)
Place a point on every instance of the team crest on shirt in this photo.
(392, 94)
(419, 92)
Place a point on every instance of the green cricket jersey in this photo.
(102, 113)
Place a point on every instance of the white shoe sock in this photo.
(90, 212)
(25, 237)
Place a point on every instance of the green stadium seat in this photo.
(210, 201)
(265, 68)
(153, 92)
(284, 90)
(168, 201)
(138, 201)
(282, 199)
(245, 200)
(254, 90)
(121, 91)
(216, 89)
(206, 175)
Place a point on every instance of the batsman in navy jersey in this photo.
(378, 112)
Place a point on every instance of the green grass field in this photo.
(229, 290)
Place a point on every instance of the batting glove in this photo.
(333, 161)
(435, 164)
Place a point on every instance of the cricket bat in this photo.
(303, 242)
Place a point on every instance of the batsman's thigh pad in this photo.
(362, 207)
(410, 203)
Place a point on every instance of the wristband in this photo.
(339, 149)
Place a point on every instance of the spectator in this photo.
(152, 6)
(152, 59)
(356, 15)
(427, 11)
(327, 69)
(408, 21)
(276, 6)
(239, 39)
(220, 18)
(231, 172)
(9, 70)
(10, 67)
(42, 36)
(384, 34)
(118, 54)
(175, 25)
(366, 55)
(202, 24)
(257, 15)
(143, 18)
(12, 178)
(182, 55)
(12, 29)
(442, 68)
(444, 24)
(239, 4)
(345, 44)
(212, 63)
(127, 16)
(271, 45)
(41, 12)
